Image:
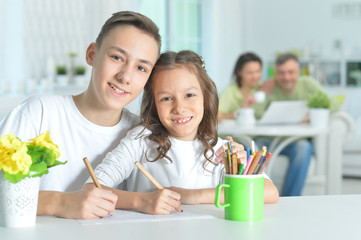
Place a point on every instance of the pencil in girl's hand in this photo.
(91, 172)
(148, 175)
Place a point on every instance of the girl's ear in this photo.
(90, 53)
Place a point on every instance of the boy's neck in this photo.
(96, 114)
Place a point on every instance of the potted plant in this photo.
(319, 104)
(79, 78)
(62, 78)
(21, 166)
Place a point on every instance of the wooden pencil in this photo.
(148, 175)
(234, 164)
(254, 163)
(91, 172)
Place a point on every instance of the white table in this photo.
(316, 217)
(283, 135)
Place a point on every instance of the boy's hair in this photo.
(281, 59)
(207, 129)
(242, 60)
(133, 19)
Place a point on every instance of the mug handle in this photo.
(218, 193)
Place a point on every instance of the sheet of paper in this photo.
(119, 216)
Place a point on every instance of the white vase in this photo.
(18, 202)
(319, 117)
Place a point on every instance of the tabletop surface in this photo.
(313, 217)
(231, 127)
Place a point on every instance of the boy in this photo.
(93, 122)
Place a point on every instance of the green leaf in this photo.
(42, 154)
(38, 169)
(319, 100)
(15, 178)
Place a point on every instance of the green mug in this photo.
(243, 197)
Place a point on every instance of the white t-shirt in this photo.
(71, 131)
(185, 171)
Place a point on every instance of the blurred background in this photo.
(43, 44)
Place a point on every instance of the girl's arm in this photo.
(160, 202)
(207, 195)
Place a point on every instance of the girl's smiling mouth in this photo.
(182, 120)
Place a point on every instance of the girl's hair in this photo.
(207, 129)
(242, 60)
(131, 19)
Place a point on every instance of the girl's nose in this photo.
(178, 106)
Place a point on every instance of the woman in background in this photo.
(239, 94)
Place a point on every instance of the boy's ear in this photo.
(90, 53)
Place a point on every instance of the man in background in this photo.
(288, 85)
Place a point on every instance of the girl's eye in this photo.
(141, 68)
(166, 99)
(188, 95)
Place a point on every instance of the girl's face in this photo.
(179, 101)
(250, 74)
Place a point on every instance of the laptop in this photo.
(284, 112)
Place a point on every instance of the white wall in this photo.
(222, 40)
(279, 25)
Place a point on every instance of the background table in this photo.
(282, 136)
(314, 217)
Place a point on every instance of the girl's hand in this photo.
(160, 202)
(236, 147)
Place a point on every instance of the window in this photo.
(178, 21)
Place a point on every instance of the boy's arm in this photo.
(161, 202)
(207, 195)
(83, 204)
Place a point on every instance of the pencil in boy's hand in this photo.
(148, 175)
(91, 172)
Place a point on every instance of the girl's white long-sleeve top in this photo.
(185, 171)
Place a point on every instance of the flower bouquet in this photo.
(21, 166)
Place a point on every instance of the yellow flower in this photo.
(44, 140)
(13, 155)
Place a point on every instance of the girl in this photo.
(247, 73)
(177, 142)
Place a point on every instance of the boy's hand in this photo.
(87, 203)
(160, 202)
(236, 147)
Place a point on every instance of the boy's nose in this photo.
(125, 75)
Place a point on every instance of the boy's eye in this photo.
(141, 68)
(117, 58)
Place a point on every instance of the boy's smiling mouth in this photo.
(182, 120)
(117, 90)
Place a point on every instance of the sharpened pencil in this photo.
(91, 172)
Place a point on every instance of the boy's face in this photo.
(179, 101)
(121, 67)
